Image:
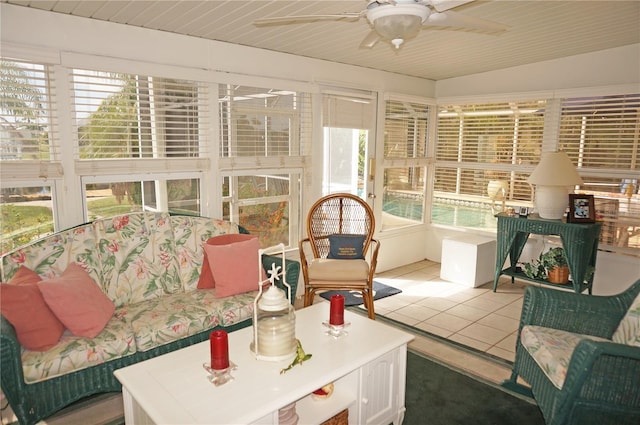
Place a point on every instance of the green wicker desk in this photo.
(580, 242)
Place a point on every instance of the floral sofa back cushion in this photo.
(138, 257)
(50, 256)
(190, 234)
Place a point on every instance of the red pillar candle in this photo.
(336, 315)
(219, 343)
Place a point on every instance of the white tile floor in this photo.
(475, 317)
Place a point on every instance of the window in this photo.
(26, 126)
(406, 135)
(123, 121)
(348, 123)
(177, 196)
(480, 152)
(26, 214)
(257, 122)
(601, 135)
(29, 152)
(136, 116)
(264, 135)
(262, 206)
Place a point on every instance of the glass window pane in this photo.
(406, 129)
(403, 201)
(617, 204)
(498, 133)
(173, 196)
(27, 214)
(261, 206)
(26, 130)
(602, 132)
(263, 122)
(479, 154)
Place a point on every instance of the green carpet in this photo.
(438, 395)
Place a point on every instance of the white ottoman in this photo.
(469, 260)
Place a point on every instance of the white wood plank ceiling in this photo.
(538, 30)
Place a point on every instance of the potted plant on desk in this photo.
(551, 265)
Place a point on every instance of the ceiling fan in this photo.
(395, 21)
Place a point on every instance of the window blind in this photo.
(601, 135)
(482, 143)
(263, 122)
(406, 129)
(137, 116)
(406, 135)
(27, 130)
(348, 111)
(602, 132)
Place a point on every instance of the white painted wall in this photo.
(619, 66)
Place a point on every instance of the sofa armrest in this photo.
(578, 313)
(12, 377)
(292, 269)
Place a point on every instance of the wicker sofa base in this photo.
(42, 399)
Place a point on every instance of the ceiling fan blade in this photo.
(370, 40)
(444, 5)
(458, 20)
(300, 19)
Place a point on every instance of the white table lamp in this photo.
(553, 177)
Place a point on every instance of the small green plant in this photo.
(539, 269)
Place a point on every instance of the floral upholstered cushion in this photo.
(138, 256)
(628, 331)
(190, 234)
(163, 320)
(74, 353)
(50, 256)
(552, 349)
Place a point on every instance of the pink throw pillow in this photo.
(22, 304)
(78, 302)
(24, 276)
(206, 280)
(235, 267)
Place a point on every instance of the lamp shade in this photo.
(552, 177)
(555, 169)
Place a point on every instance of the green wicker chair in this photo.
(602, 381)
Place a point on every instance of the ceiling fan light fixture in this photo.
(398, 22)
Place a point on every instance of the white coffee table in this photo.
(367, 366)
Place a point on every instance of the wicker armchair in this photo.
(339, 214)
(602, 381)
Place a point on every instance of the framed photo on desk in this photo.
(581, 208)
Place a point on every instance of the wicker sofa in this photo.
(148, 265)
(581, 355)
